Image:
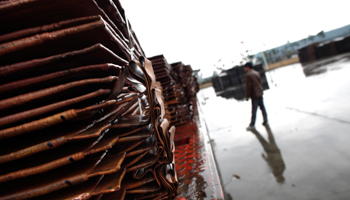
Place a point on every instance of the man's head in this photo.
(248, 66)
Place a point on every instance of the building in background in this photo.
(290, 49)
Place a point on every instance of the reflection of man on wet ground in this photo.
(254, 90)
(273, 155)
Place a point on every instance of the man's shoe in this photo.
(250, 128)
(265, 123)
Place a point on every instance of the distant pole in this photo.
(263, 53)
(267, 66)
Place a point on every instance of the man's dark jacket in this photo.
(254, 88)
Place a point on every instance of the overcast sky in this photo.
(201, 32)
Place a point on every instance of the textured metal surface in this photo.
(81, 113)
(179, 88)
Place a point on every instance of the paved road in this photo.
(303, 154)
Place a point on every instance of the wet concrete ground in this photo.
(305, 151)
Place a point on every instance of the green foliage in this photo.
(311, 38)
(321, 34)
(274, 52)
(295, 44)
(260, 59)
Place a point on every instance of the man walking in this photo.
(254, 90)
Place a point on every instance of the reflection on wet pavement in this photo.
(306, 143)
(325, 65)
(196, 169)
(273, 155)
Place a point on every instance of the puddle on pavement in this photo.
(300, 155)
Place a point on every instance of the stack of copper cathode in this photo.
(179, 88)
(81, 114)
(162, 70)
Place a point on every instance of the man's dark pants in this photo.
(255, 103)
